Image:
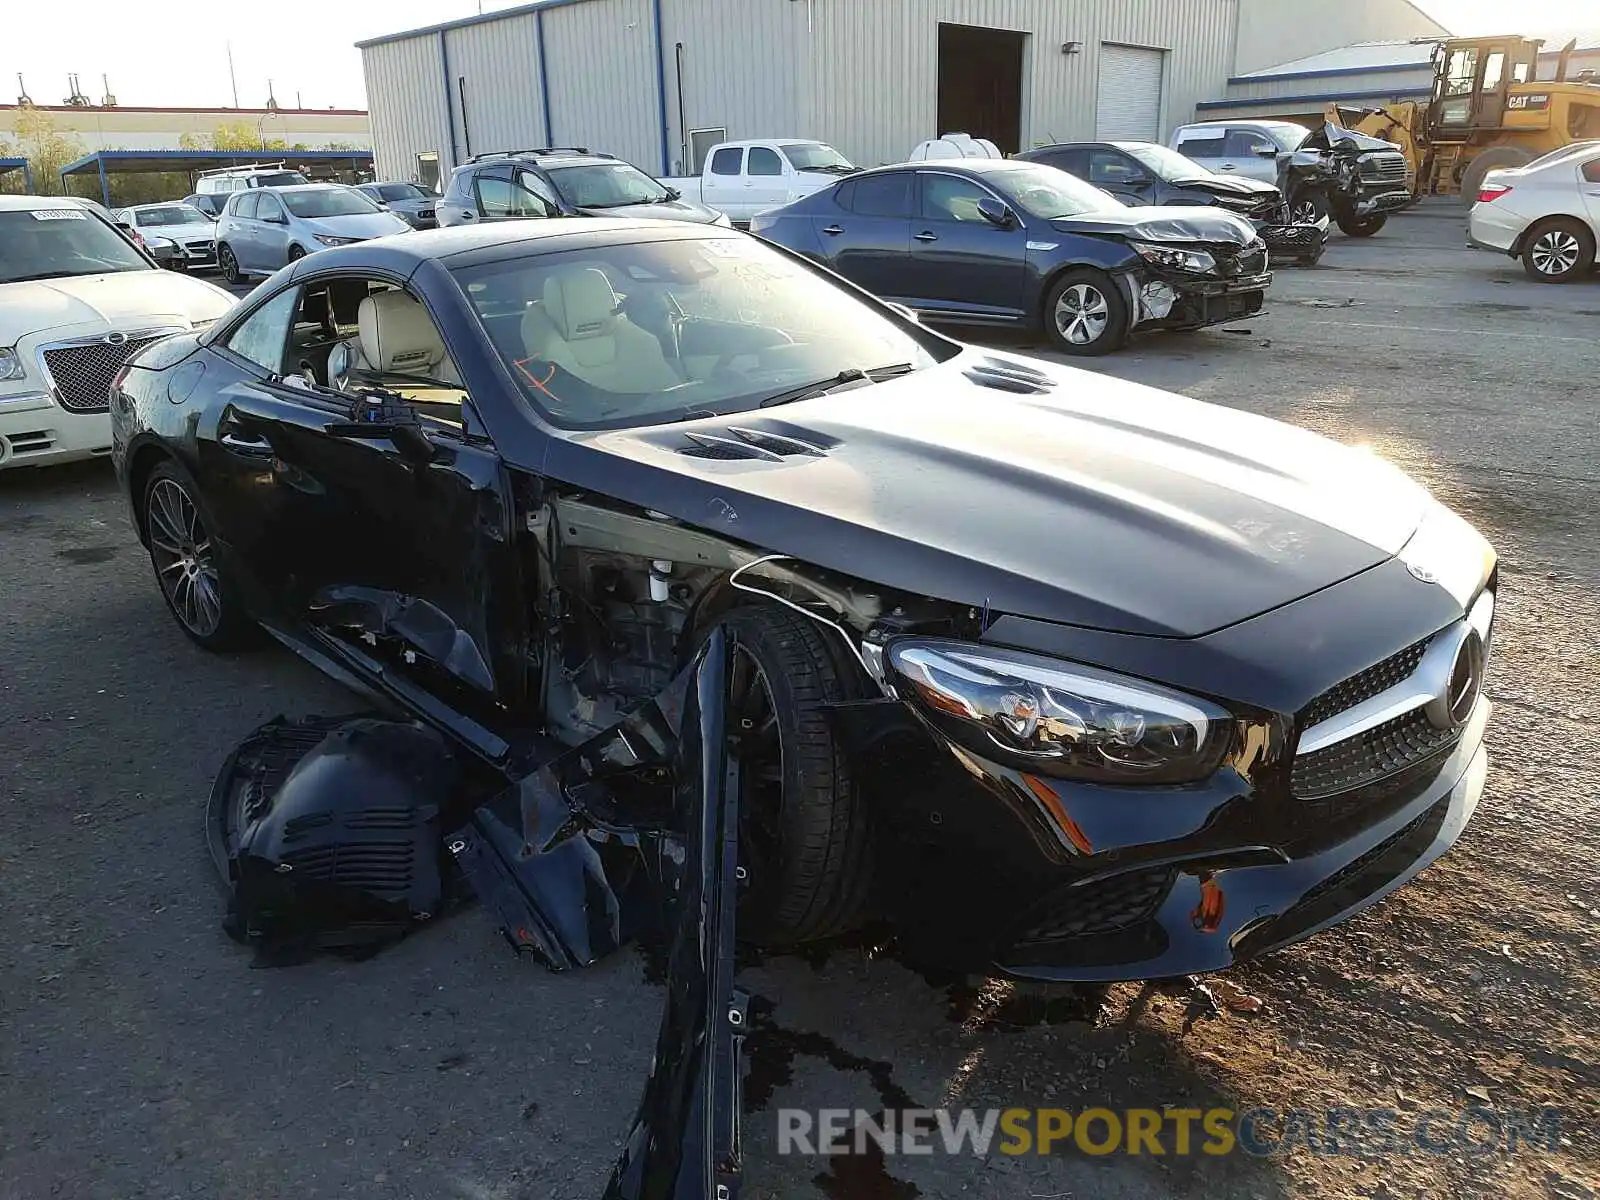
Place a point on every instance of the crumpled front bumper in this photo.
(1381, 203)
(1210, 920)
(997, 871)
(1176, 300)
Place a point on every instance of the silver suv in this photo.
(566, 181)
(263, 229)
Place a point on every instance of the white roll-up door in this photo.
(1128, 102)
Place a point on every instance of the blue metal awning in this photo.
(8, 165)
(106, 162)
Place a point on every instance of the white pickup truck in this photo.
(749, 177)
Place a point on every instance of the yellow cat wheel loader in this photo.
(1488, 109)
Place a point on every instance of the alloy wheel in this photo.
(1082, 314)
(756, 738)
(185, 564)
(1555, 252)
(228, 264)
(1304, 213)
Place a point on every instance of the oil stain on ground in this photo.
(83, 555)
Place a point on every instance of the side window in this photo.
(764, 160)
(531, 196)
(1107, 168)
(1073, 162)
(882, 195)
(951, 198)
(1201, 143)
(1591, 170)
(265, 333)
(268, 208)
(1245, 143)
(727, 161)
(245, 206)
(493, 189)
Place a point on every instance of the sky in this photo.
(306, 48)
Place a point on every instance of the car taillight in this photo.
(1492, 191)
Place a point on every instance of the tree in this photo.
(47, 149)
(244, 136)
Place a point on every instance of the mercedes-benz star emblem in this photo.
(1422, 573)
(116, 338)
(1454, 704)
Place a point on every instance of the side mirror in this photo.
(674, 194)
(996, 213)
(1266, 152)
(125, 226)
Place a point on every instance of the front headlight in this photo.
(1057, 718)
(1180, 260)
(327, 239)
(11, 365)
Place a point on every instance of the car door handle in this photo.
(925, 236)
(1227, 166)
(247, 445)
(469, 215)
(833, 230)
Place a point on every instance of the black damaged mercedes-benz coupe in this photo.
(1069, 678)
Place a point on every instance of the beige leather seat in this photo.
(578, 327)
(397, 335)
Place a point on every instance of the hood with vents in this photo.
(1026, 487)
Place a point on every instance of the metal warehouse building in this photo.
(659, 81)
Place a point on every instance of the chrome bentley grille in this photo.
(82, 372)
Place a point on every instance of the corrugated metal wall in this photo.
(603, 83)
(500, 63)
(1272, 32)
(405, 94)
(744, 69)
(875, 90)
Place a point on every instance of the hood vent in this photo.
(740, 443)
(1009, 377)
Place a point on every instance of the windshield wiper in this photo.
(822, 387)
(67, 274)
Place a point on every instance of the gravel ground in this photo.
(140, 1056)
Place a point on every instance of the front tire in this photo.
(1361, 227)
(1558, 250)
(296, 253)
(199, 595)
(1308, 208)
(228, 264)
(803, 835)
(1085, 314)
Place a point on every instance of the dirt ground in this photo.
(141, 1057)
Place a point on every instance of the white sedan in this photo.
(76, 299)
(1546, 213)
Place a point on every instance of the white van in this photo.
(255, 175)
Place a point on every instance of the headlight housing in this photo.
(328, 239)
(1176, 258)
(1051, 717)
(11, 368)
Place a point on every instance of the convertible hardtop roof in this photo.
(406, 251)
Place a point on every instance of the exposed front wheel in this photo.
(1085, 314)
(296, 253)
(1308, 208)
(228, 264)
(803, 838)
(1558, 250)
(188, 570)
(1363, 226)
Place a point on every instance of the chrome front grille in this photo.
(1384, 168)
(1367, 684)
(80, 372)
(1398, 718)
(1373, 754)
